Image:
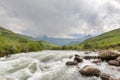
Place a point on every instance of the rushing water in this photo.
(49, 65)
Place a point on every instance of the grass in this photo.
(11, 43)
(108, 40)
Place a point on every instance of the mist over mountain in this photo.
(63, 41)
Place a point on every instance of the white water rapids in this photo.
(50, 65)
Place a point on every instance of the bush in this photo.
(87, 46)
(9, 49)
(23, 41)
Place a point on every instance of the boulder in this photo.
(118, 59)
(105, 76)
(114, 62)
(70, 63)
(109, 54)
(90, 71)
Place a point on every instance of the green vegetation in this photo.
(109, 40)
(11, 43)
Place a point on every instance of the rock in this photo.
(70, 57)
(109, 54)
(5, 78)
(90, 57)
(78, 59)
(90, 71)
(113, 62)
(87, 52)
(118, 69)
(95, 50)
(116, 79)
(97, 61)
(87, 57)
(105, 76)
(70, 63)
(118, 59)
(76, 55)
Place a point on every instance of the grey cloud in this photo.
(56, 17)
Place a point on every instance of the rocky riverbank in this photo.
(112, 57)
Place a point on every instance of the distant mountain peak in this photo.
(45, 36)
(62, 41)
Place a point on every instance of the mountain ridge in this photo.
(62, 41)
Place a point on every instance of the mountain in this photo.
(11, 42)
(63, 41)
(108, 40)
(80, 40)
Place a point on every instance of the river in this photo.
(50, 65)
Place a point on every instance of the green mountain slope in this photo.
(11, 42)
(109, 40)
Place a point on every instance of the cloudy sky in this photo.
(60, 18)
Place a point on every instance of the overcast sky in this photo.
(60, 18)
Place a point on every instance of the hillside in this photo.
(109, 40)
(11, 43)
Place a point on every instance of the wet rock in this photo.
(5, 78)
(97, 61)
(109, 54)
(70, 57)
(90, 71)
(95, 50)
(87, 57)
(113, 62)
(70, 63)
(90, 57)
(76, 55)
(105, 76)
(118, 69)
(116, 79)
(118, 59)
(87, 52)
(78, 59)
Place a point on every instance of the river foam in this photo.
(49, 65)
